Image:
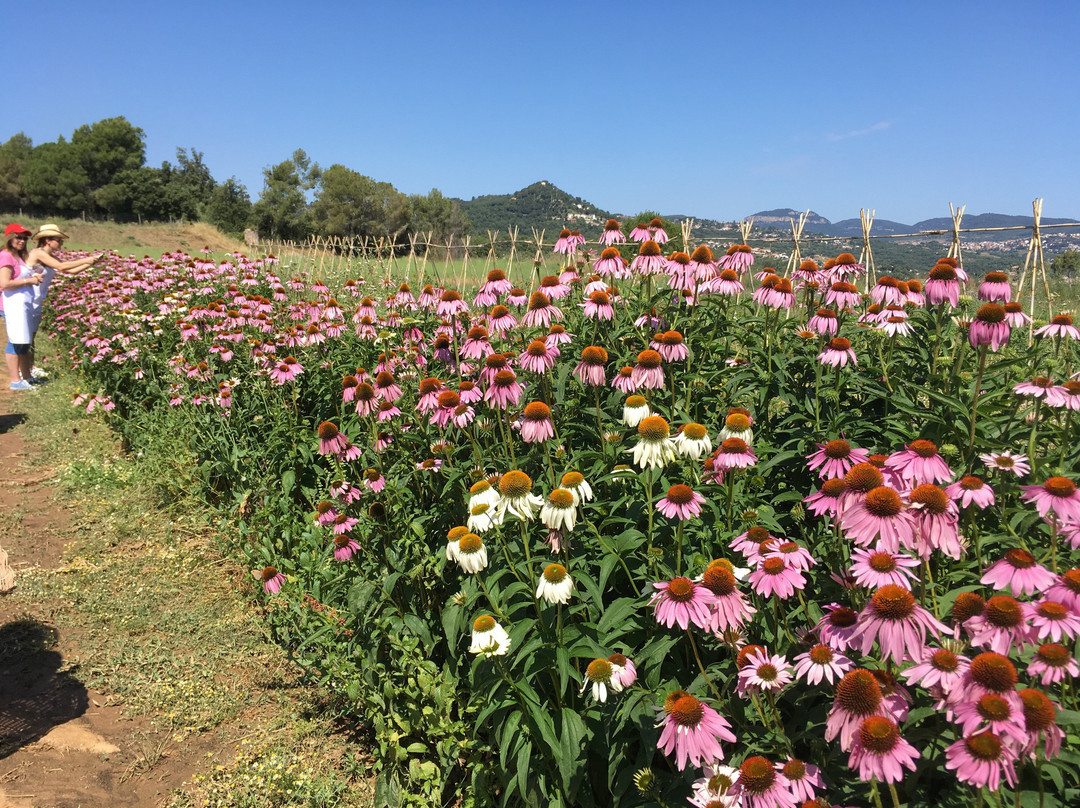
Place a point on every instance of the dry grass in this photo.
(139, 239)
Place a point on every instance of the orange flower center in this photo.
(883, 502)
(757, 775)
(681, 590)
(1003, 611)
(879, 734)
(837, 449)
(893, 602)
(993, 672)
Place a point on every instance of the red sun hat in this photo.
(15, 228)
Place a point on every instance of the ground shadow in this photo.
(10, 421)
(35, 695)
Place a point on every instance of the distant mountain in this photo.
(781, 219)
(985, 220)
(853, 227)
(845, 228)
(540, 205)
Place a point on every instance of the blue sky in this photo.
(712, 109)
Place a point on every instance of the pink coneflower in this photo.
(597, 306)
(682, 601)
(730, 611)
(1017, 464)
(681, 502)
(995, 288)
(754, 543)
(971, 490)
(500, 320)
(990, 711)
(271, 579)
(285, 371)
(943, 286)
(504, 390)
(760, 785)
(837, 626)
(878, 751)
(886, 292)
(623, 381)
(431, 465)
(612, 234)
(843, 295)
(538, 357)
(671, 347)
(774, 576)
(739, 257)
(877, 568)
(764, 672)
(348, 388)
(325, 514)
(386, 387)
(1058, 495)
(611, 264)
(938, 668)
(640, 232)
(897, 622)
(838, 353)
(1040, 387)
(1019, 572)
(796, 556)
(1000, 627)
(1068, 396)
(919, 462)
(331, 441)
(1039, 716)
(1067, 589)
(980, 760)
(451, 305)
(825, 500)
(476, 345)
(536, 425)
(373, 481)
(540, 312)
(879, 515)
(702, 264)
(824, 323)
(649, 260)
(1060, 325)
(858, 697)
(835, 458)
(553, 287)
(821, 663)
(734, 453)
(1051, 620)
(590, 370)
(648, 372)
(1052, 663)
(344, 547)
(937, 519)
(1015, 315)
(989, 327)
(693, 730)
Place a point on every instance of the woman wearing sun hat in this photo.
(16, 282)
(42, 259)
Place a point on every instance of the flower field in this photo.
(650, 528)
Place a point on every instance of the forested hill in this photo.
(540, 205)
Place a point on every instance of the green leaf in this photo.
(288, 480)
(571, 750)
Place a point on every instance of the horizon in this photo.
(483, 99)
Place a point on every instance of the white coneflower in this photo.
(576, 484)
(488, 637)
(555, 584)
(515, 489)
(483, 517)
(654, 448)
(483, 492)
(692, 441)
(600, 674)
(635, 408)
(560, 510)
(471, 553)
(737, 425)
(452, 538)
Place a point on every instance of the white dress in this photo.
(17, 307)
(37, 293)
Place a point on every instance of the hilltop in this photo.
(541, 205)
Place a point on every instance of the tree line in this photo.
(101, 172)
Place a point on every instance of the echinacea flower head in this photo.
(836, 626)
(536, 425)
(775, 576)
(692, 440)
(1020, 572)
(559, 512)
(515, 490)
(971, 490)
(1057, 495)
(881, 516)
(990, 327)
(821, 662)
(590, 370)
(919, 462)
(876, 568)
(635, 409)
(600, 676)
(711, 789)
(838, 353)
(737, 424)
(270, 578)
(858, 696)
(623, 670)
(1053, 663)
(555, 585)
(576, 484)
(981, 760)
(939, 667)
(1040, 715)
(654, 448)
(488, 637)
(835, 458)
(1007, 462)
(648, 372)
(682, 601)
(734, 453)
(894, 619)
(765, 672)
(760, 785)
(681, 502)
(471, 554)
(331, 441)
(878, 751)
(1051, 620)
(693, 730)
(989, 672)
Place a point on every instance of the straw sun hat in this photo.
(49, 231)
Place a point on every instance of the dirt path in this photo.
(60, 743)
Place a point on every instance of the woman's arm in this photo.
(40, 256)
(8, 280)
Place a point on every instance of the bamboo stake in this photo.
(866, 257)
(686, 225)
(954, 249)
(745, 226)
(464, 265)
(513, 249)
(795, 259)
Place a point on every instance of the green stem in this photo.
(874, 793)
(705, 676)
(975, 399)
